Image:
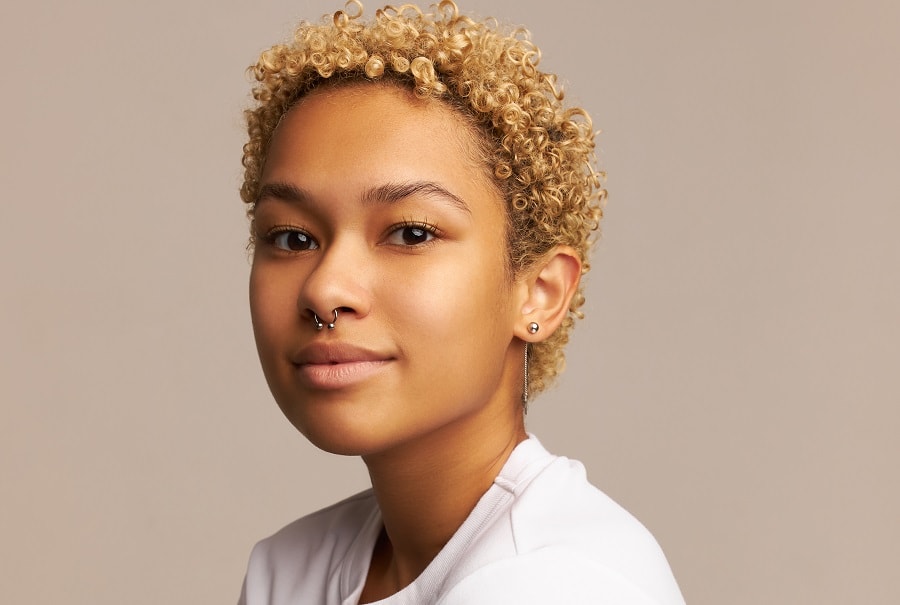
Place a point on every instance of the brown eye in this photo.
(415, 235)
(294, 241)
(411, 235)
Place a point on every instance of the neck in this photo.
(427, 488)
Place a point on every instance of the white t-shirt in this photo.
(540, 534)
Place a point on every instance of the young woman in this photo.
(421, 204)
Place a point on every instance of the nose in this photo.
(338, 284)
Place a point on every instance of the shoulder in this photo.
(563, 540)
(562, 522)
(561, 508)
(306, 555)
(327, 528)
(555, 575)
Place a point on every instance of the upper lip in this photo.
(336, 352)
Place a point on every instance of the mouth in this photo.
(330, 366)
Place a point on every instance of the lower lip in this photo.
(339, 375)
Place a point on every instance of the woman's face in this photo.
(371, 204)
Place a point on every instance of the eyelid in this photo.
(282, 227)
(423, 224)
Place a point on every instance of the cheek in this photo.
(455, 333)
(460, 301)
(272, 305)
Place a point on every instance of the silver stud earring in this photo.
(533, 327)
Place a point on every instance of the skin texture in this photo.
(371, 204)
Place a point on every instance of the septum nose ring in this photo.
(318, 322)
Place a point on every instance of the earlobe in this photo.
(550, 287)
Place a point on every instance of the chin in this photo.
(356, 437)
(344, 443)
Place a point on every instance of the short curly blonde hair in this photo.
(540, 153)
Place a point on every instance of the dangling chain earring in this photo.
(533, 327)
(525, 388)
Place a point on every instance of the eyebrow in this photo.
(394, 192)
(385, 194)
(281, 191)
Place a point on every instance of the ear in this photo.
(547, 290)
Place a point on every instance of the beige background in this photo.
(735, 384)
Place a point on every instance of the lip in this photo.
(336, 365)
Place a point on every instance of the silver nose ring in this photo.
(318, 322)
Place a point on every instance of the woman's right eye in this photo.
(292, 240)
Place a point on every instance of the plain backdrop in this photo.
(734, 385)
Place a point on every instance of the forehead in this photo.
(355, 135)
(382, 110)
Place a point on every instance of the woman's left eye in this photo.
(411, 235)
